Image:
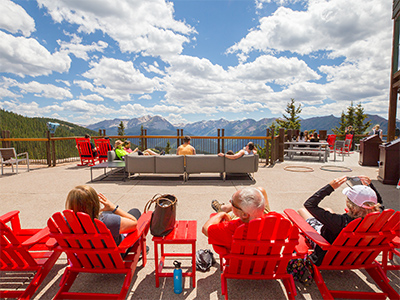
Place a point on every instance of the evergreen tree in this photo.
(121, 129)
(359, 126)
(167, 148)
(342, 125)
(291, 121)
(350, 116)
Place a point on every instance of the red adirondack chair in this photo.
(85, 152)
(103, 146)
(90, 248)
(331, 140)
(395, 243)
(261, 251)
(24, 251)
(356, 247)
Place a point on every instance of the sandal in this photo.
(216, 205)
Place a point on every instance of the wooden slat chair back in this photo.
(8, 156)
(331, 140)
(85, 152)
(24, 250)
(357, 247)
(103, 146)
(90, 248)
(261, 251)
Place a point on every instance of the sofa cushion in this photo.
(244, 164)
(167, 164)
(140, 163)
(111, 156)
(204, 164)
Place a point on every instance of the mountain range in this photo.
(157, 125)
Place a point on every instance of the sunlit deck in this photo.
(42, 191)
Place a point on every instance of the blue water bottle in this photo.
(178, 286)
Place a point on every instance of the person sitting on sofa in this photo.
(250, 149)
(222, 207)
(127, 147)
(119, 151)
(248, 204)
(186, 148)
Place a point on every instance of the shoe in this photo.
(216, 205)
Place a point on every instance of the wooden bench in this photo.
(308, 149)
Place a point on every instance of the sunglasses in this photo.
(234, 205)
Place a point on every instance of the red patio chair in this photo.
(356, 247)
(24, 251)
(395, 243)
(261, 250)
(85, 152)
(103, 146)
(90, 248)
(331, 140)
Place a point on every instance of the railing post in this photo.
(48, 151)
(53, 144)
(223, 140)
(281, 143)
(181, 137)
(273, 148)
(5, 134)
(322, 134)
(289, 135)
(219, 140)
(145, 139)
(177, 139)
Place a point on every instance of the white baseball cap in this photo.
(359, 194)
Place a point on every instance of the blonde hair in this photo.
(84, 198)
(356, 211)
(118, 143)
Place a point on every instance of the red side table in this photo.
(185, 232)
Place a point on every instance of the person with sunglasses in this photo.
(247, 204)
(361, 199)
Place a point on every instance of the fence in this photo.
(52, 150)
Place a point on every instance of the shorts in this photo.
(317, 225)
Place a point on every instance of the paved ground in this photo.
(41, 192)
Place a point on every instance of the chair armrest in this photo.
(36, 238)
(141, 228)
(23, 153)
(306, 229)
(51, 243)
(8, 216)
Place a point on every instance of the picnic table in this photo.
(308, 149)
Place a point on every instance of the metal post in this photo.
(177, 139)
(267, 143)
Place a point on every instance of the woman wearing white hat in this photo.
(361, 200)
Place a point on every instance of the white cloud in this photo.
(91, 97)
(76, 47)
(44, 90)
(145, 97)
(326, 25)
(14, 18)
(84, 85)
(25, 56)
(117, 79)
(31, 109)
(138, 26)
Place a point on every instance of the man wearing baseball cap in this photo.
(361, 200)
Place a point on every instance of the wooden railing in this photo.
(53, 150)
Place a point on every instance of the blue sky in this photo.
(86, 61)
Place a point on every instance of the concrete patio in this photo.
(42, 191)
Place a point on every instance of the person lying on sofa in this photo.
(250, 149)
